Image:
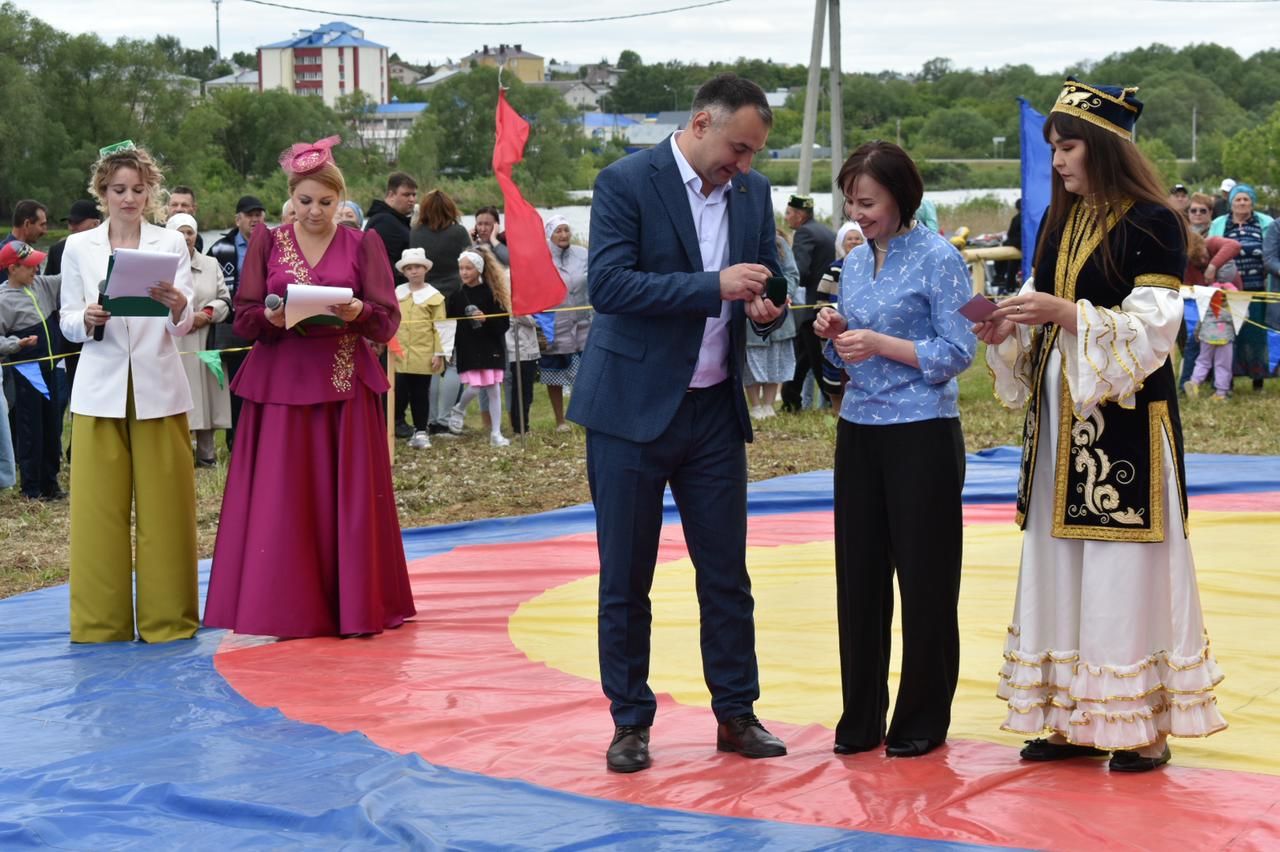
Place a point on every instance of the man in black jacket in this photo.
(390, 217)
(814, 246)
(229, 254)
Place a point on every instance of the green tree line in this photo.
(70, 95)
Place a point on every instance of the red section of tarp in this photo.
(1257, 501)
(451, 687)
(535, 283)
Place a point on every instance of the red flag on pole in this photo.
(535, 283)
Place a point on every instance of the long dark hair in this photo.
(1116, 171)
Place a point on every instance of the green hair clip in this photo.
(126, 145)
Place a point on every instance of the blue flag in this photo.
(1037, 164)
(31, 372)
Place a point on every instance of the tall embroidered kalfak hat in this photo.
(1110, 107)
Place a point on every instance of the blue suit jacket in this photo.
(651, 297)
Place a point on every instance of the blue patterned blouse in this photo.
(921, 285)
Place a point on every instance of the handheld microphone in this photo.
(273, 302)
(100, 330)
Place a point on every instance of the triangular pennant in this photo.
(212, 359)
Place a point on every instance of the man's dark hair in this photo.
(183, 190)
(731, 93)
(27, 210)
(492, 211)
(889, 166)
(399, 179)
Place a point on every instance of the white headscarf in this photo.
(554, 222)
(177, 220)
(473, 258)
(840, 235)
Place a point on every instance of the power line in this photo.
(501, 23)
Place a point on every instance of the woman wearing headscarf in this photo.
(210, 305)
(559, 365)
(1247, 226)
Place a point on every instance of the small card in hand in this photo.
(977, 309)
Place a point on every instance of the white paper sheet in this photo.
(311, 300)
(135, 271)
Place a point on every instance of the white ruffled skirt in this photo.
(1108, 646)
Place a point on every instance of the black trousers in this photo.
(808, 363)
(413, 392)
(519, 413)
(38, 437)
(897, 509)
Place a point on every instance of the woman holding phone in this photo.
(899, 465)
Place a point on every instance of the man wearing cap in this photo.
(814, 246)
(1179, 198)
(1222, 204)
(83, 216)
(29, 314)
(229, 253)
(30, 224)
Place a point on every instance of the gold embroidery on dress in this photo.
(291, 257)
(344, 363)
(1098, 496)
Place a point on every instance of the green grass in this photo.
(464, 478)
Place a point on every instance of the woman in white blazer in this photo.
(130, 442)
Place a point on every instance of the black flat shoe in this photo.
(745, 735)
(1131, 761)
(629, 751)
(909, 748)
(845, 748)
(1043, 750)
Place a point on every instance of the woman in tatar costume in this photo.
(1107, 651)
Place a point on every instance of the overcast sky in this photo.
(876, 36)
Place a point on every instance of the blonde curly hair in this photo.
(148, 170)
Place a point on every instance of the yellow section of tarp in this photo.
(1236, 559)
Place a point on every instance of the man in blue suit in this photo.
(682, 243)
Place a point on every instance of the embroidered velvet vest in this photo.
(1109, 482)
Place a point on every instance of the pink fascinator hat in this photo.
(303, 158)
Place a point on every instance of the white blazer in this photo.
(141, 345)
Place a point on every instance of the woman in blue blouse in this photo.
(899, 465)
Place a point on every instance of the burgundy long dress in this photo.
(309, 541)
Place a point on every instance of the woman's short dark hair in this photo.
(891, 167)
(492, 211)
(731, 93)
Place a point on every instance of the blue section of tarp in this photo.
(991, 476)
(1037, 163)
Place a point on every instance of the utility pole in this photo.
(811, 95)
(217, 27)
(837, 116)
(1195, 108)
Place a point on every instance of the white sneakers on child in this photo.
(763, 412)
(499, 440)
(420, 441)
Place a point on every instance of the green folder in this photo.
(129, 306)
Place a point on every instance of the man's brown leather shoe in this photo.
(629, 751)
(745, 735)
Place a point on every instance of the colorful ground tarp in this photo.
(481, 724)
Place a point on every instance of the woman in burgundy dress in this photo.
(309, 542)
